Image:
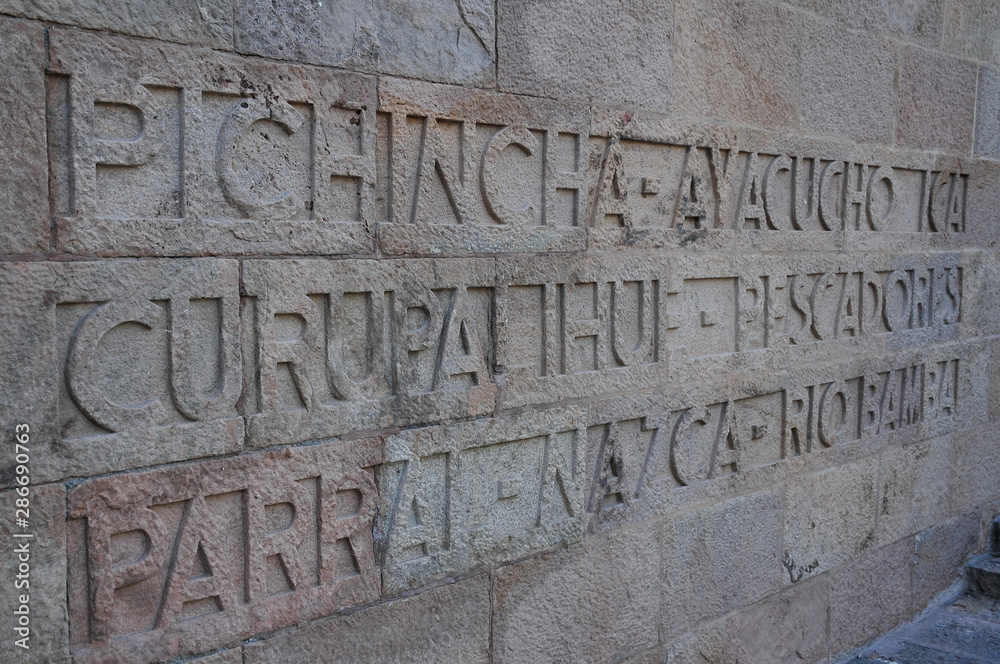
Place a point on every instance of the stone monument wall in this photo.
(453, 330)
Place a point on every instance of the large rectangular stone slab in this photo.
(469, 171)
(613, 53)
(595, 602)
(193, 557)
(937, 101)
(171, 150)
(719, 558)
(460, 497)
(437, 40)
(24, 228)
(340, 346)
(447, 624)
(972, 28)
(940, 553)
(124, 364)
(576, 327)
(200, 22)
(919, 21)
(34, 570)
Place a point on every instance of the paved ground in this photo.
(964, 631)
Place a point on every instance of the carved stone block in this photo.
(170, 150)
(189, 558)
(461, 496)
(122, 364)
(338, 346)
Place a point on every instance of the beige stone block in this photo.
(848, 84)
(788, 628)
(24, 227)
(598, 601)
(829, 519)
(118, 365)
(617, 53)
(465, 171)
(737, 61)
(919, 21)
(199, 22)
(438, 40)
(705, 644)
(231, 656)
(870, 596)
(338, 346)
(172, 150)
(34, 567)
(464, 496)
(447, 624)
(718, 558)
(972, 29)
(941, 552)
(913, 488)
(192, 557)
(975, 467)
(936, 102)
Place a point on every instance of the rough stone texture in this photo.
(940, 553)
(232, 656)
(870, 596)
(736, 61)
(188, 558)
(913, 488)
(848, 85)
(988, 113)
(829, 519)
(440, 40)
(170, 327)
(447, 624)
(972, 28)
(705, 569)
(44, 582)
(552, 49)
(200, 22)
(936, 101)
(920, 21)
(24, 227)
(974, 469)
(593, 603)
(787, 629)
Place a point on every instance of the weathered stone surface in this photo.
(913, 488)
(553, 49)
(447, 624)
(972, 29)
(597, 602)
(441, 40)
(182, 151)
(941, 550)
(121, 364)
(201, 22)
(988, 113)
(611, 334)
(34, 567)
(936, 101)
(738, 61)
(339, 346)
(829, 519)
(847, 84)
(870, 596)
(787, 629)
(704, 645)
(231, 656)
(191, 557)
(920, 21)
(24, 227)
(469, 171)
(454, 498)
(706, 570)
(974, 468)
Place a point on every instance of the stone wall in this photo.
(462, 331)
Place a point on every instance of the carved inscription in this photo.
(184, 559)
(477, 171)
(461, 496)
(348, 345)
(579, 327)
(207, 152)
(647, 449)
